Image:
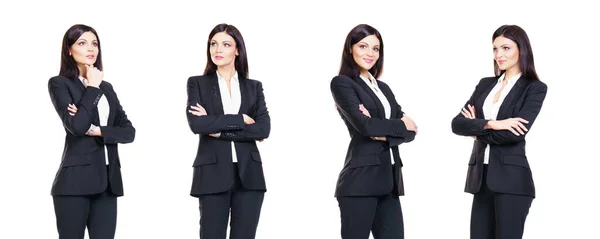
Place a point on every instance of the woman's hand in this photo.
(248, 119)
(94, 76)
(72, 109)
(469, 114)
(94, 131)
(514, 125)
(379, 138)
(410, 124)
(197, 110)
(364, 110)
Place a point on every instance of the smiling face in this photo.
(223, 49)
(506, 54)
(85, 50)
(366, 53)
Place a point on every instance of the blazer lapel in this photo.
(514, 93)
(362, 84)
(79, 85)
(216, 93)
(243, 95)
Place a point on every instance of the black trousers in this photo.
(98, 212)
(381, 215)
(498, 215)
(244, 205)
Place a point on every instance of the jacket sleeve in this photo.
(530, 110)
(123, 131)
(409, 136)
(347, 102)
(262, 126)
(469, 127)
(80, 123)
(208, 124)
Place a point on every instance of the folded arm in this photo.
(347, 102)
(122, 132)
(260, 129)
(208, 124)
(79, 122)
(466, 126)
(529, 111)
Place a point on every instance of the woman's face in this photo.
(223, 49)
(366, 52)
(506, 54)
(85, 50)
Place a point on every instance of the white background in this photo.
(436, 52)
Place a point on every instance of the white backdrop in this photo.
(436, 52)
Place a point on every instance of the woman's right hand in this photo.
(410, 124)
(94, 76)
(514, 125)
(248, 119)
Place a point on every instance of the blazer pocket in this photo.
(205, 159)
(256, 156)
(367, 160)
(76, 160)
(516, 160)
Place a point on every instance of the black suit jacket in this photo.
(368, 170)
(213, 172)
(83, 168)
(508, 169)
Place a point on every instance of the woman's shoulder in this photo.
(488, 79)
(58, 79)
(251, 81)
(199, 77)
(342, 79)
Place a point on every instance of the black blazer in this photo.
(368, 170)
(508, 169)
(213, 172)
(83, 168)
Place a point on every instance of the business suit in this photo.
(217, 182)
(85, 189)
(369, 185)
(503, 188)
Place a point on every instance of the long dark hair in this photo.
(349, 67)
(241, 61)
(68, 66)
(518, 35)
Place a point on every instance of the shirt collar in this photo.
(511, 80)
(234, 77)
(370, 80)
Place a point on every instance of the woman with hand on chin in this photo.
(498, 116)
(370, 182)
(88, 181)
(228, 112)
